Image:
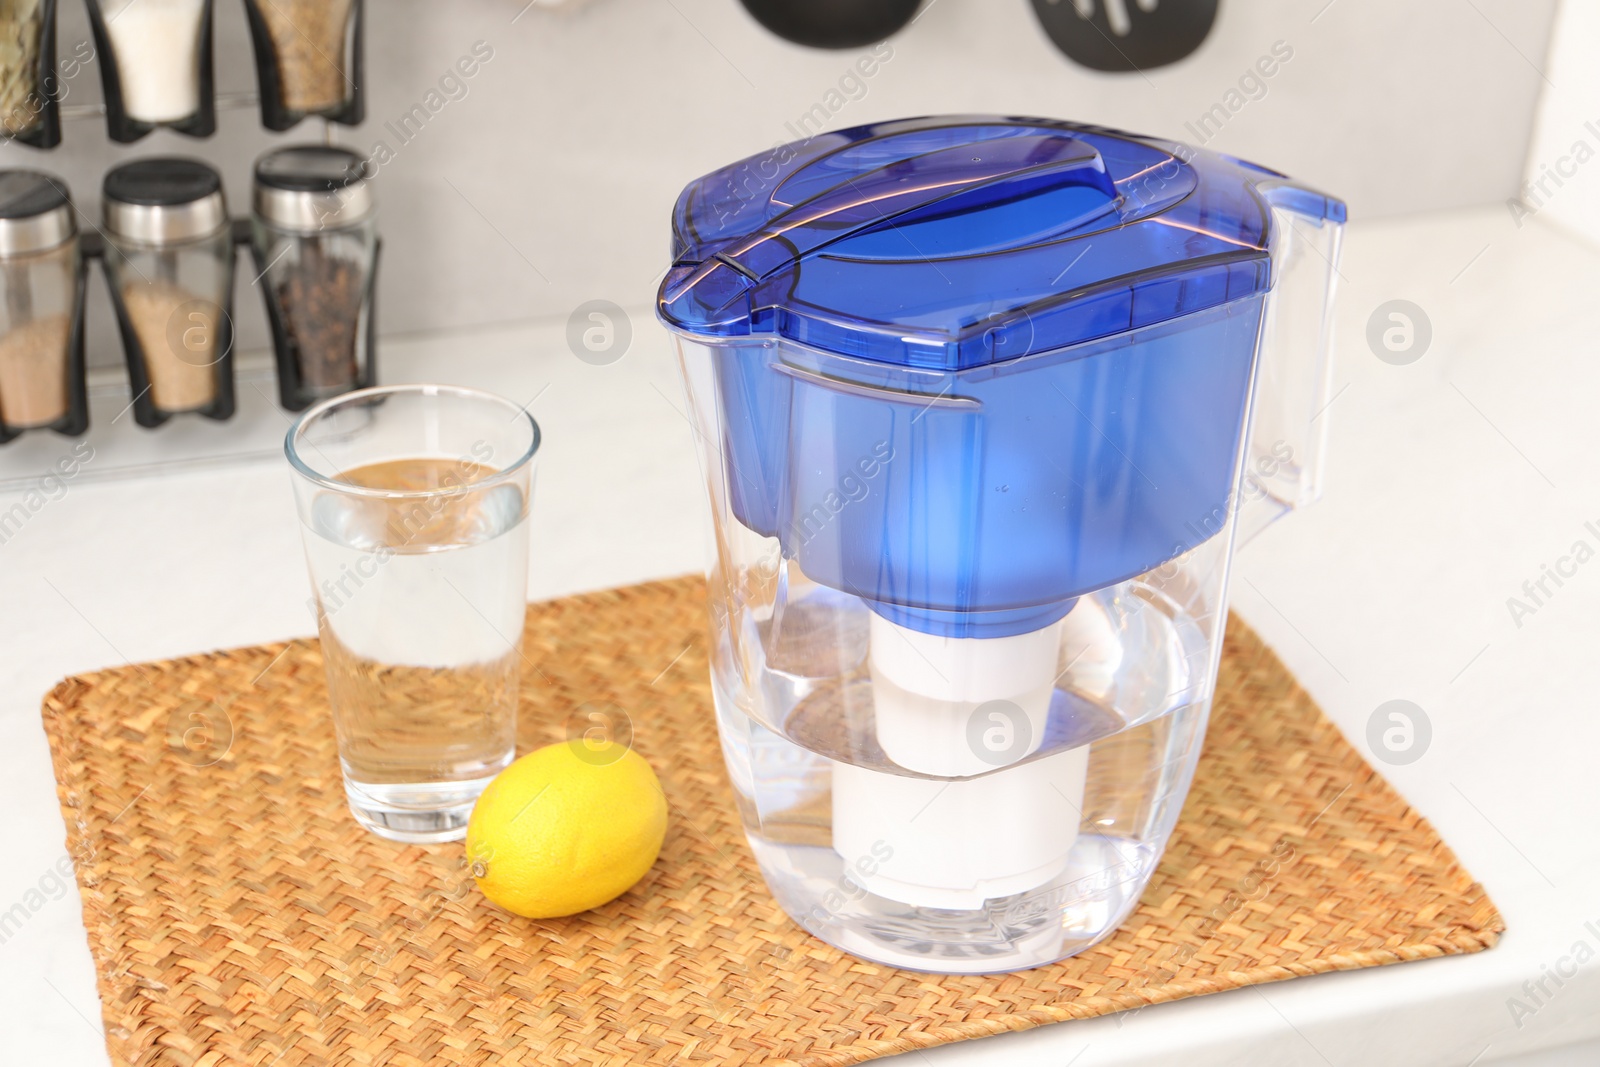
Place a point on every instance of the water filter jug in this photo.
(985, 404)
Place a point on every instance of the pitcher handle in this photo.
(1285, 454)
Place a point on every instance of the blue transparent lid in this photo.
(955, 242)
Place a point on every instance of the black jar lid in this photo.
(312, 187)
(35, 212)
(163, 200)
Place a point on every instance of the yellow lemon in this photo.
(566, 828)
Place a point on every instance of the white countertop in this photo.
(1451, 481)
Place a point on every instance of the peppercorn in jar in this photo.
(314, 236)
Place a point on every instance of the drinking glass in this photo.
(413, 503)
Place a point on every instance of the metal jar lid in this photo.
(163, 201)
(306, 188)
(35, 212)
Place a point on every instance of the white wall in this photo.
(1563, 167)
(575, 138)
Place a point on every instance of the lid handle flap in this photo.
(948, 182)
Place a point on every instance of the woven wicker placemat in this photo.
(237, 915)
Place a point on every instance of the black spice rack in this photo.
(168, 251)
(312, 235)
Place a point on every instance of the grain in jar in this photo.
(313, 50)
(169, 258)
(40, 280)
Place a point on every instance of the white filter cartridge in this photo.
(960, 707)
(957, 844)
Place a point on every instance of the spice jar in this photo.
(314, 237)
(308, 59)
(41, 308)
(169, 265)
(28, 84)
(155, 61)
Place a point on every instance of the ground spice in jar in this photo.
(20, 25)
(308, 37)
(33, 373)
(157, 45)
(178, 334)
(319, 299)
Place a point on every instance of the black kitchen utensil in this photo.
(1124, 35)
(833, 23)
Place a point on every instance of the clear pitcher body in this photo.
(965, 635)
